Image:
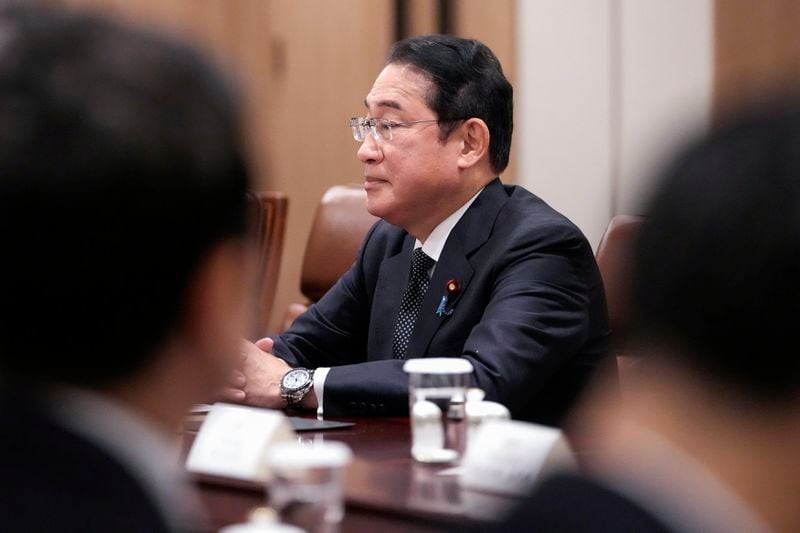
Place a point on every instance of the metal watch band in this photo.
(293, 398)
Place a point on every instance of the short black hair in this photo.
(717, 269)
(468, 82)
(121, 166)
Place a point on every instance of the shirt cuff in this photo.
(319, 387)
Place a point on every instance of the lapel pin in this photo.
(453, 287)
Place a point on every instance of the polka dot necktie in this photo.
(412, 300)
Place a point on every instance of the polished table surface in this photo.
(385, 490)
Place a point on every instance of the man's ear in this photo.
(475, 142)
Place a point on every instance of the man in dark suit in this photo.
(706, 436)
(460, 265)
(122, 285)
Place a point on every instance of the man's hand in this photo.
(234, 390)
(258, 381)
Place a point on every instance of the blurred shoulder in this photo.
(552, 508)
(45, 465)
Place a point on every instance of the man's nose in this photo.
(369, 151)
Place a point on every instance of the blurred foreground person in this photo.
(708, 438)
(122, 189)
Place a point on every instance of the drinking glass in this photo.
(437, 391)
(306, 487)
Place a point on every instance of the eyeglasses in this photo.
(379, 127)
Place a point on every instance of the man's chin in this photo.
(378, 208)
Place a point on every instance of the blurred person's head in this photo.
(460, 104)
(716, 277)
(122, 190)
(715, 294)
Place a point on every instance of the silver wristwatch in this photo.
(295, 384)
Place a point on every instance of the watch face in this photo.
(296, 379)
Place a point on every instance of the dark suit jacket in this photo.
(54, 480)
(531, 315)
(571, 504)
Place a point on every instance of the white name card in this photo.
(233, 441)
(509, 457)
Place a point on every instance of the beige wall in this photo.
(666, 85)
(609, 88)
(326, 56)
(757, 46)
(305, 66)
(606, 89)
(564, 96)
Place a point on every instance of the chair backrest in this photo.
(614, 257)
(340, 225)
(269, 210)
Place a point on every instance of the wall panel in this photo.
(757, 50)
(305, 66)
(607, 89)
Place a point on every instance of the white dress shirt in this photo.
(432, 247)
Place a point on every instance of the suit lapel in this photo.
(453, 264)
(471, 232)
(392, 281)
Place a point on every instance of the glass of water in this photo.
(307, 484)
(437, 393)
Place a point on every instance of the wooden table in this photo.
(385, 490)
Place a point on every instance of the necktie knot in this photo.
(421, 263)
